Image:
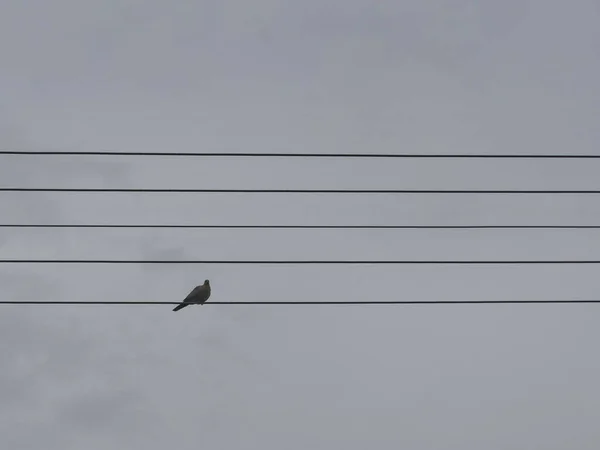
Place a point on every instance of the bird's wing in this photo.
(198, 295)
(192, 295)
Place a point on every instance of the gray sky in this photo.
(322, 76)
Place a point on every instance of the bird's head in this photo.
(206, 283)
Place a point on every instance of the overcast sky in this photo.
(290, 76)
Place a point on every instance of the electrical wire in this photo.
(390, 302)
(305, 191)
(281, 262)
(320, 227)
(304, 155)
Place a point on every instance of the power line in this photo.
(323, 227)
(304, 155)
(281, 262)
(359, 302)
(304, 191)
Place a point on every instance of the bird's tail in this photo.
(178, 307)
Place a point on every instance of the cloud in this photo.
(297, 76)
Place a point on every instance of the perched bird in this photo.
(198, 296)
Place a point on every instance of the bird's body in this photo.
(198, 296)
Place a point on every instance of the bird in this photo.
(198, 296)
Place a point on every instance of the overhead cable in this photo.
(307, 155)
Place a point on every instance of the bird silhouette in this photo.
(198, 296)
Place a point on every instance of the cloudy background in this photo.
(317, 76)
